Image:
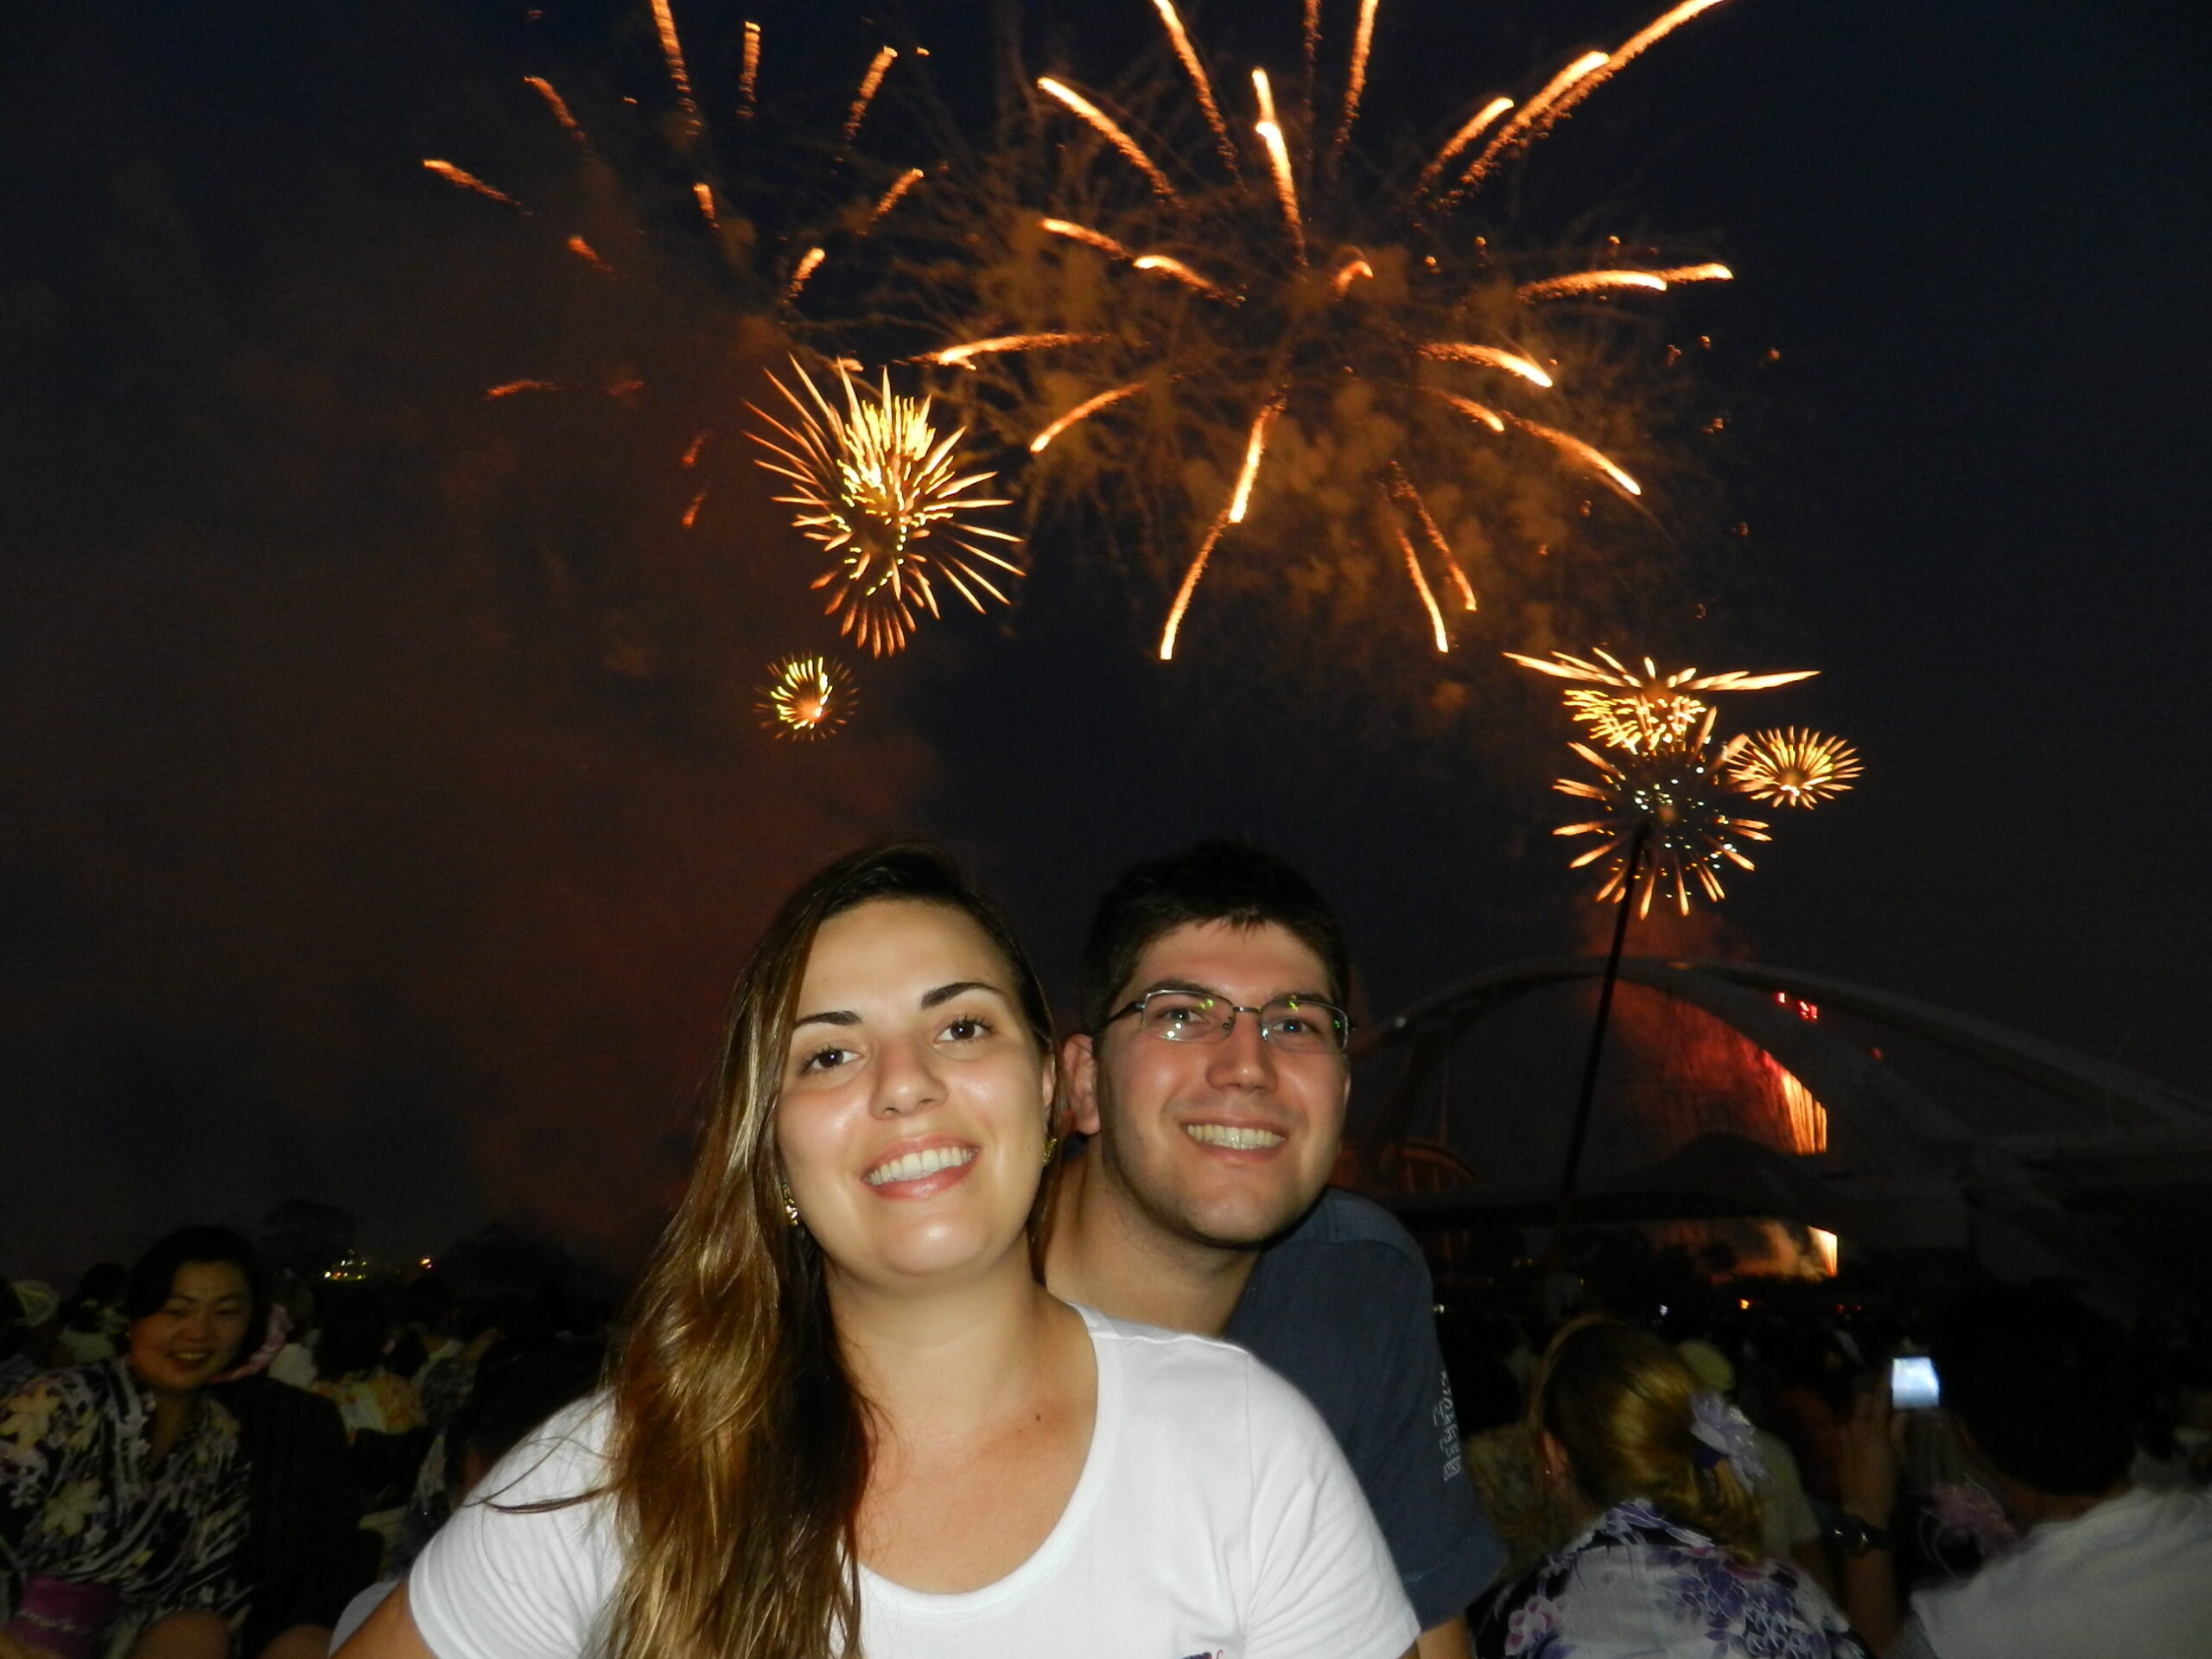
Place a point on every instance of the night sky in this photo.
(383, 809)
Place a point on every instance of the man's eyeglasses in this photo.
(1293, 1025)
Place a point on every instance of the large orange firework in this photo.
(880, 488)
(1358, 342)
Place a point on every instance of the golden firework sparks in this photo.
(889, 199)
(1791, 767)
(1526, 117)
(1651, 35)
(461, 179)
(1352, 358)
(870, 84)
(1109, 130)
(1476, 126)
(1363, 42)
(1270, 133)
(955, 356)
(1675, 798)
(558, 105)
(1081, 411)
(1609, 669)
(808, 263)
(749, 73)
(671, 50)
(1582, 452)
(880, 488)
(807, 697)
(1200, 82)
(1493, 357)
(1644, 711)
(1083, 234)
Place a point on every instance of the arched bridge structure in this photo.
(1910, 1166)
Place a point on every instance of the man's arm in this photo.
(1444, 1641)
(1867, 1482)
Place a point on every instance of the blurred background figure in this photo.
(28, 1315)
(1660, 1474)
(381, 1409)
(1789, 1531)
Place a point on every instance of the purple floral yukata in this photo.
(1636, 1585)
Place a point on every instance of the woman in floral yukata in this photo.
(122, 1499)
(1658, 1472)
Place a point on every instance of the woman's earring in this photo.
(1051, 1150)
(791, 1209)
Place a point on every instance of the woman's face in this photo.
(192, 1336)
(911, 1122)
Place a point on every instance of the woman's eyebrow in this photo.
(828, 1017)
(958, 988)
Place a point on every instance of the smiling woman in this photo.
(849, 1414)
(122, 1497)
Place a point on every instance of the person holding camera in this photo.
(2037, 1390)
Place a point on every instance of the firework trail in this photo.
(1258, 281)
(881, 489)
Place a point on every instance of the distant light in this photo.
(1824, 1246)
(1744, 1303)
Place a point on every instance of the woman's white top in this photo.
(1214, 1519)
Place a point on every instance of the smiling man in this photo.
(1209, 1084)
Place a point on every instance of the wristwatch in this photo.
(1856, 1537)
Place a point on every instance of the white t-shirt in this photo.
(2131, 1577)
(1214, 1519)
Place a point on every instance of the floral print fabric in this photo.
(1636, 1585)
(82, 1502)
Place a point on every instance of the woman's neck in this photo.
(952, 1363)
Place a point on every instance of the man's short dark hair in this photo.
(1223, 880)
(2041, 1384)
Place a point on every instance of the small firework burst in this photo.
(1791, 767)
(1645, 711)
(879, 487)
(1674, 798)
(808, 697)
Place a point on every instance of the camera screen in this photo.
(1912, 1383)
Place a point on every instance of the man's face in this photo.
(1224, 1144)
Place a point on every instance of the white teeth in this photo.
(1220, 1134)
(915, 1165)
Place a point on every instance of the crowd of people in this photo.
(969, 1337)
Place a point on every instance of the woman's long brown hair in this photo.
(740, 1444)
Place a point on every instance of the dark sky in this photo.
(382, 809)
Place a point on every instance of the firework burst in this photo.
(1643, 710)
(1244, 275)
(1791, 767)
(807, 697)
(1675, 798)
(880, 488)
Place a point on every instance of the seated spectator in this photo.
(92, 1320)
(2036, 1387)
(28, 1317)
(123, 1495)
(382, 1411)
(1658, 1472)
(305, 1553)
(511, 1398)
